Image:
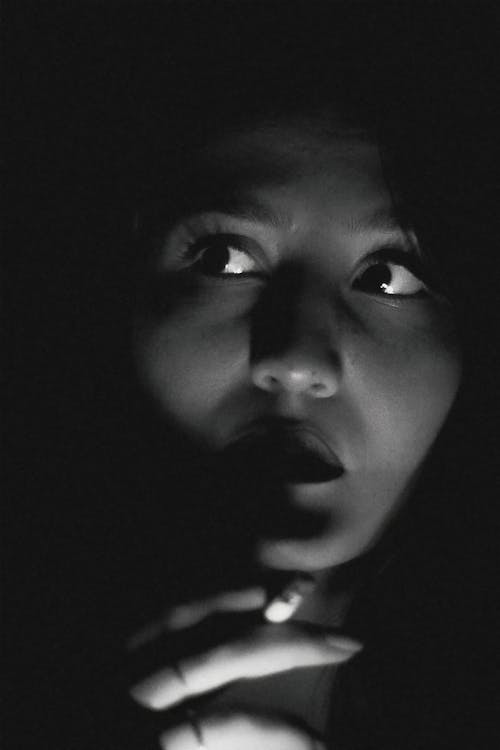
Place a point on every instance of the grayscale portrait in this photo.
(252, 407)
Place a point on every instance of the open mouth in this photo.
(304, 467)
(287, 454)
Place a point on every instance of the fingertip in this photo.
(345, 646)
(180, 737)
(142, 695)
(160, 691)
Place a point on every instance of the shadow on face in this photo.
(289, 293)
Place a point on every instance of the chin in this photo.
(308, 555)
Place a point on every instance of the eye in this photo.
(225, 255)
(387, 277)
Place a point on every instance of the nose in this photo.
(295, 375)
(301, 356)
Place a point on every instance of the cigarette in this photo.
(281, 607)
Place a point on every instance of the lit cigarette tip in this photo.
(283, 606)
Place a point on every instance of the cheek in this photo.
(189, 366)
(399, 398)
(406, 387)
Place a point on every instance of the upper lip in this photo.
(294, 449)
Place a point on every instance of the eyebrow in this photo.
(382, 219)
(248, 207)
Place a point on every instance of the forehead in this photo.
(302, 157)
(288, 142)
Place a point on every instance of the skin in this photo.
(374, 373)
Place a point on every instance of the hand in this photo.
(263, 649)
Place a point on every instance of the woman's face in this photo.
(298, 329)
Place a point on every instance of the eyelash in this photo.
(405, 258)
(384, 255)
(193, 252)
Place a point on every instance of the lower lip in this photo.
(316, 475)
(316, 496)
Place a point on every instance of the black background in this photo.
(82, 480)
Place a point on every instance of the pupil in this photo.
(377, 276)
(215, 259)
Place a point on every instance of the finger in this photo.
(238, 730)
(266, 650)
(187, 615)
(230, 601)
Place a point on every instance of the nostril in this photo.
(275, 377)
(323, 388)
(267, 381)
(271, 382)
(317, 388)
